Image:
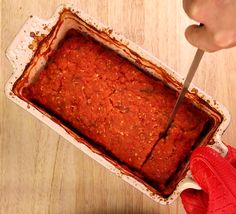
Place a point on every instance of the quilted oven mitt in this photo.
(217, 177)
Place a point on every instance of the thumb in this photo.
(200, 37)
(217, 177)
(194, 201)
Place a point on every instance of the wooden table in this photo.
(43, 173)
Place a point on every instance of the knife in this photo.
(192, 70)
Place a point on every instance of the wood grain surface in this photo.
(40, 172)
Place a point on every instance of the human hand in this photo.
(219, 23)
(217, 177)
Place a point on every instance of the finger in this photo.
(201, 38)
(193, 8)
(206, 167)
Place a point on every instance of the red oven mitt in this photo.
(217, 177)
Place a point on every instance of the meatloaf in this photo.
(118, 107)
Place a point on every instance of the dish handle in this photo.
(188, 182)
(24, 42)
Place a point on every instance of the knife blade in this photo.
(192, 70)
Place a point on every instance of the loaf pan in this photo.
(28, 54)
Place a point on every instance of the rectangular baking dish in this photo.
(29, 51)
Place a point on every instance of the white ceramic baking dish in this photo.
(27, 47)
